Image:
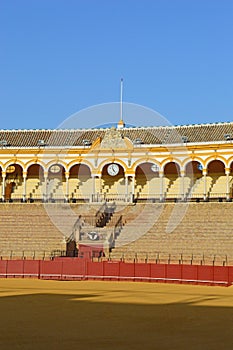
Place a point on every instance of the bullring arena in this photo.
(147, 209)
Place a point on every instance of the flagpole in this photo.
(121, 100)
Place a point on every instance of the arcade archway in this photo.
(80, 182)
(35, 188)
(173, 185)
(14, 183)
(56, 183)
(216, 180)
(147, 181)
(113, 183)
(193, 181)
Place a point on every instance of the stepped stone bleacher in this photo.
(178, 232)
(35, 229)
(197, 232)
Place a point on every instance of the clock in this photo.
(154, 168)
(113, 169)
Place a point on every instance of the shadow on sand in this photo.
(66, 321)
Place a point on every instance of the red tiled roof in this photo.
(148, 135)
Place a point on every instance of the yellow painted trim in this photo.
(144, 160)
(78, 162)
(215, 157)
(13, 161)
(111, 160)
(37, 162)
(54, 162)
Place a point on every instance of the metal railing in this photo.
(31, 254)
(108, 198)
(166, 258)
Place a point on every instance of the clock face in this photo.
(154, 168)
(113, 169)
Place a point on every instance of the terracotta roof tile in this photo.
(148, 135)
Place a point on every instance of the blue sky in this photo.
(58, 57)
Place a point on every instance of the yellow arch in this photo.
(230, 160)
(170, 160)
(54, 162)
(1, 165)
(32, 162)
(77, 162)
(194, 159)
(211, 158)
(141, 161)
(108, 161)
(12, 162)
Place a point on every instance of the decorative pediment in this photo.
(113, 140)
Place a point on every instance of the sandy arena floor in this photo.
(114, 315)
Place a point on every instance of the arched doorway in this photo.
(230, 182)
(56, 186)
(14, 186)
(35, 188)
(113, 183)
(147, 181)
(216, 180)
(194, 181)
(172, 181)
(80, 183)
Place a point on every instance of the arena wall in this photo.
(83, 269)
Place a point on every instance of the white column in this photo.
(93, 189)
(3, 185)
(126, 187)
(45, 189)
(67, 175)
(161, 190)
(227, 173)
(100, 189)
(24, 186)
(204, 172)
(97, 187)
(133, 188)
(182, 184)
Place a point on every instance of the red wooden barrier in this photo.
(95, 270)
(77, 269)
(15, 268)
(142, 272)
(158, 272)
(173, 273)
(3, 268)
(205, 274)
(51, 269)
(111, 270)
(220, 274)
(230, 274)
(31, 268)
(190, 273)
(126, 271)
(73, 269)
